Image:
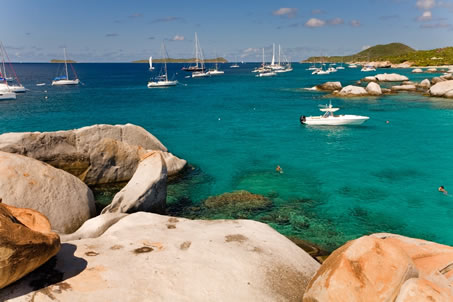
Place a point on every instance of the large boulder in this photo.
(146, 191)
(94, 227)
(425, 84)
(373, 89)
(404, 88)
(26, 242)
(329, 86)
(63, 198)
(98, 154)
(391, 77)
(369, 79)
(384, 267)
(146, 256)
(442, 89)
(351, 90)
(417, 70)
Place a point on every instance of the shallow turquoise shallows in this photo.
(338, 182)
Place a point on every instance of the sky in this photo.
(123, 31)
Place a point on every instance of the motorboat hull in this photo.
(7, 96)
(214, 72)
(65, 82)
(267, 74)
(335, 120)
(200, 74)
(162, 84)
(17, 89)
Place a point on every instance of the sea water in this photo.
(338, 183)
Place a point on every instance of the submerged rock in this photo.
(442, 89)
(391, 77)
(384, 267)
(161, 258)
(241, 200)
(404, 88)
(146, 191)
(28, 183)
(26, 242)
(417, 70)
(373, 89)
(98, 154)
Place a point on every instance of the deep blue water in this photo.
(338, 183)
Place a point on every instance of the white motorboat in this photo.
(17, 88)
(368, 68)
(151, 63)
(64, 80)
(330, 119)
(352, 66)
(216, 70)
(162, 80)
(331, 69)
(200, 74)
(6, 95)
(235, 65)
(269, 73)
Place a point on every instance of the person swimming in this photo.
(442, 189)
(278, 169)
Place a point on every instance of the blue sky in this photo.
(122, 31)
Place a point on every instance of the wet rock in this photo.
(146, 191)
(27, 183)
(417, 70)
(330, 86)
(431, 70)
(240, 200)
(98, 154)
(217, 260)
(26, 240)
(373, 89)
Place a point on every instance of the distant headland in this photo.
(62, 61)
(191, 60)
(394, 54)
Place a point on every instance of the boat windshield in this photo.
(60, 78)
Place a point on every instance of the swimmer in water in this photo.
(279, 169)
(442, 189)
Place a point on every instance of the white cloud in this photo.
(178, 38)
(314, 22)
(335, 21)
(285, 12)
(426, 16)
(355, 23)
(425, 4)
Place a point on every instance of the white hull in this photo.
(340, 67)
(7, 96)
(336, 120)
(284, 70)
(214, 72)
(17, 89)
(366, 69)
(352, 66)
(200, 74)
(162, 84)
(65, 82)
(234, 66)
(267, 74)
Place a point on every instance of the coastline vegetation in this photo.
(62, 61)
(395, 53)
(190, 60)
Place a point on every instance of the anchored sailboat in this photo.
(64, 80)
(5, 86)
(151, 63)
(199, 66)
(162, 80)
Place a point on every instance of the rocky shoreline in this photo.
(56, 247)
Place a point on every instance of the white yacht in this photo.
(17, 88)
(330, 119)
(64, 80)
(7, 95)
(235, 65)
(265, 70)
(352, 66)
(162, 80)
(368, 68)
(216, 70)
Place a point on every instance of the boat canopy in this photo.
(329, 109)
(60, 78)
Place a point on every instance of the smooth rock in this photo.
(147, 189)
(351, 90)
(146, 256)
(391, 77)
(404, 88)
(330, 86)
(63, 198)
(441, 89)
(426, 84)
(369, 79)
(26, 240)
(173, 163)
(366, 269)
(98, 154)
(373, 89)
(422, 290)
(436, 80)
(417, 70)
(386, 90)
(431, 70)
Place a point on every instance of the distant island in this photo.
(62, 61)
(191, 60)
(394, 53)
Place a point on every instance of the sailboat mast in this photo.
(66, 64)
(273, 54)
(263, 57)
(196, 50)
(278, 54)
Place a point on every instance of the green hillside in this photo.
(191, 60)
(62, 61)
(395, 53)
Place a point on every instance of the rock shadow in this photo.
(59, 268)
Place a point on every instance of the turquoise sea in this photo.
(234, 129)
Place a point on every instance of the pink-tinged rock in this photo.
(422, 290)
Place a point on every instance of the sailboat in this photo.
(235, 65)
(200, 58)
(5, 86)
(151, 63)
(162, 80)
(264, 71)
(5, 92)
(216, 69)
(198, 65)
(64, 80)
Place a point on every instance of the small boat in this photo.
(199, 65)
(200, 74)
(64, 80)
(151, 63)
(330, 119)
(162, 80)
(235, 65)
(352, 66)
(269, 73)
(216, 69)
(368, 68)
(41, 84)
(6, 95)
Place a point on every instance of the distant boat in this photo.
(216, 70)
(162, 80)
(151, 63)
(11, 88)
(352, 66)
(41, 84)
(265, 71)
(199, 65)
(64, 80)
(199, 55)
(368, 68)
(235, 65)
(330, 119)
